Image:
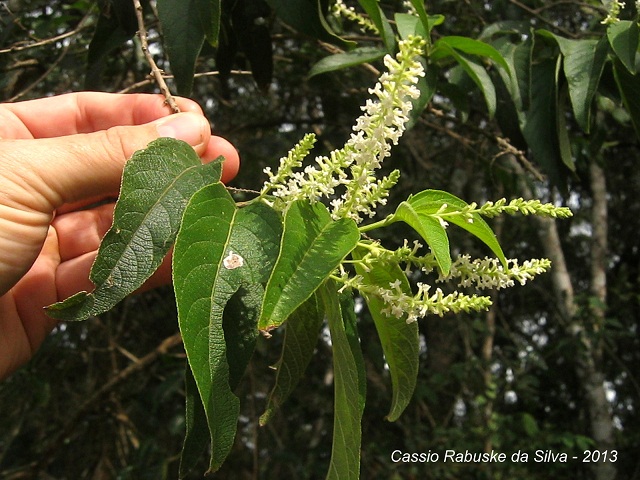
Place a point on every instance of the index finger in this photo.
(85, 112)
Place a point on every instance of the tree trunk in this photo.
(588, 363)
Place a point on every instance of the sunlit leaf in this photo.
(430, 202)
(157, 183)
(351, 58)
(399, 339)
(222, 257)
(431, 230)
(349, 380)
(408, 25)
(313, 245)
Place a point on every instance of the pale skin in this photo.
(58, 156)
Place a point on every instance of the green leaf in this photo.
(349, 385)
(629, 86)
(474, 70)
(399, 339)
(475, 47)
(530, 425)
(313, 245)
(378, 18)
(211, 12)
(430, 202)
(408, 25)
(157, 183)
(564, 142)
(200, 297)
(351, 58)
(623, 38)
(583, 64)
(239, 322)
(430, 229)
(222, 257)
(300, 339)
(518, 56)
(185, 24)
(538, 122)
(197, 433)
(116, 24)
(428, 21)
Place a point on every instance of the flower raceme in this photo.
(353, 166)
(346, 179)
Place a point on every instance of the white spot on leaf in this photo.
(233, 260)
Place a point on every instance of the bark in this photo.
(600, 416)
(588, 367)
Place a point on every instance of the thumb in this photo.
(55, 171)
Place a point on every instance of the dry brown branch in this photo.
(508, 149)
(155, 71)
(535, 13)
(25, 46)
(37, 81)
(151, 80)
(59, 440)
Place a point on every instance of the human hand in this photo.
(59, 155)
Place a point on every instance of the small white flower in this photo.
(353, 167)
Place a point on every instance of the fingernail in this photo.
(188, 127)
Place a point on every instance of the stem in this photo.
(155, 71)
(388, 220)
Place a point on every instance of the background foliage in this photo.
(105, 398)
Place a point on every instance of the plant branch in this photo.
(155, 71)
(150, 80)
(49, 454)
(37, 81)
(18, 47)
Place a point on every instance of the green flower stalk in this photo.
(346, 179)
(424, 302)
(341, 10)
(465, 272)
(489, 273)
(615, 7)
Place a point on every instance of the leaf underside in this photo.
(157, 183)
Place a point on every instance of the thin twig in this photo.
(155, 71)
(18, 48)
(508, 149)
(37, 81)
(535, 12)
(148, 81)
(48, 456)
